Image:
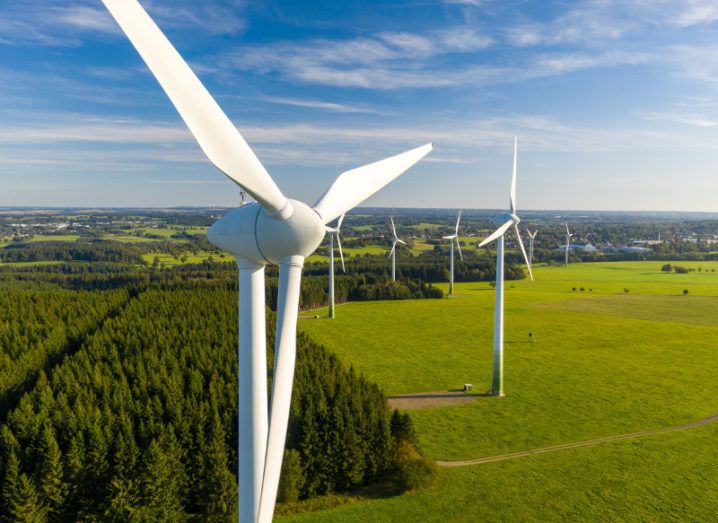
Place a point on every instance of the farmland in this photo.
(629, 352)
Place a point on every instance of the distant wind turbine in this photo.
(332, 233)
(568, 242)
(453, 237)
(392, 253)
(531, 245)
(504, 221)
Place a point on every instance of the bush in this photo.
(415, 471)
(291, 480)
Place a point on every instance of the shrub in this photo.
(415, 471)
(291, 480)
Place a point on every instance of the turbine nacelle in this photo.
(503, 218)
(253, 235)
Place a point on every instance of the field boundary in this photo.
(576, 444)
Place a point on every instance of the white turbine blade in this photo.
(449, 237)
(457, 223)
(512, 198)
(498, 232)
(214, 132)
(459, 246)
(339, 223)
(392, 250)
(401, 241)
(523, 251)
(341, 254)
(567, 231)
(285, 353)
(393, 229)
(354, 186)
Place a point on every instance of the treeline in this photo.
(140, 423)
(93, 251)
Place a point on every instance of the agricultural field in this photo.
(167, 260)
(620, 347)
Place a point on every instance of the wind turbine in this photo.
(274, 230)
(332, 233)
(568, 241)
(453, 237)
(531, 245)
(504, 222)
(392, 253)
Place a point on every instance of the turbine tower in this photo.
(568, 242)
(531, 245)
(392, 253)
(332, 233)
(274, 230)
(504, 222)
(451, 238)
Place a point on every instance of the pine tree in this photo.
(24, 506)
(220, 484)
(52, 489)
(10, 481)
(160, 496)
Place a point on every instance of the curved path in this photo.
(585, 443)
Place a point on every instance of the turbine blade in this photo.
(459, 246)
(512, 198)
(401, 241)
(285, 353)
(339, 223)
(457, 223)
(449, 237)
(567, 231)
(341, 254)
(393, 229)
(354, 186)
(498, 232)
(215, 133)
(392, 250)
(523, 251)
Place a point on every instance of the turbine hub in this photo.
(251, 234)
(502, 218)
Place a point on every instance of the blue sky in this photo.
(614, 102)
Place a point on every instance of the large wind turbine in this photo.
(332, 233)
(452, 238)
(504, 221)
(274, 230)
(532, 236)
(568, 242)
(392, 253)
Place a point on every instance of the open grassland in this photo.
(605, 362)
(670, 477)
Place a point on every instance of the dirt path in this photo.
(585, 443)
(428, 400)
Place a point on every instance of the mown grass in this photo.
(668, 477)
(605, 362)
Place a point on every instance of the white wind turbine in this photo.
(274, 230)
(332, 233)
(532, 237)
(392, 253)
(452, 238)
(504, 221)
(568, 242)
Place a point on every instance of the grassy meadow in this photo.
(629, 352)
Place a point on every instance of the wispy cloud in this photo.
(320, 105)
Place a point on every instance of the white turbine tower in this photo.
(452, 238)
(274, 230)
(332, 233)
(532, 237)
(504, 221)
(392, 253)
(568, 242)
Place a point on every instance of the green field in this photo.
(605, 362)
(167, 260)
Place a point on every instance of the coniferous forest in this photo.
(119, 403)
